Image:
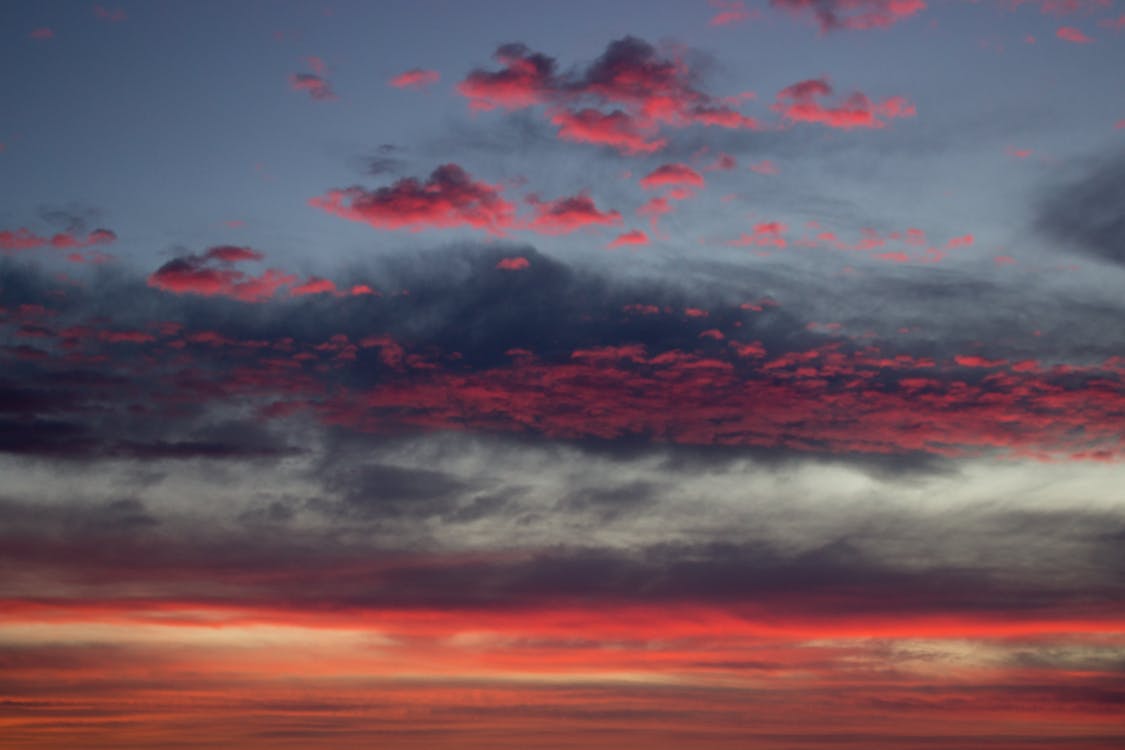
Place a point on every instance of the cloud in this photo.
(1071, 34)
(632, 238)
(834, 15)
(556, 354)
(23, 239)
(314, 285)
(672, 175)
(213, 274)
(800, 102)
(616, 129)
(415, 78)
(43, 33)
(513, 264)
(730, 12)
(317, 87)
(622, 99)
(1085, 214)
(567, 215)
(526, 78)
(450, 197)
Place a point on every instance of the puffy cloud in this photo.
(317, 87)
(672, 175)
(566, 215)
(615, 129)
(832, 15)
(800, 102)
(450, 197)
(621, 100)
(213, 274)
(525, 78)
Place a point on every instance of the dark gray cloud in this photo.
(1086, 214)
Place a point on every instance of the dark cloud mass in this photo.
(1086, 214)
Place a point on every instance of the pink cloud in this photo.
(765, 234)
(729, 12)
(634, 238)
(832, 15)
(672, 175)
(213, 274)
(416, 79)
(567, 215)
(615, 129)
(317, 87)
(972, 360)
(1071, 34)
(114, 15)
(42, 33)
(799, 102)
(513, 264)
(621, 100)
(314, 285)
(448, 198)
(525, 78)
(22, 239)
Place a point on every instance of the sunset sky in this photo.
(606, 375)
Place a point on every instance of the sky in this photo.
(696, 374)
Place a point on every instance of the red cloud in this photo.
(766, 234)
(566, 215)
(853, 14)
(641, 89)
(231, 254)
(416, 79)
(672, 174)
(317, 86)
(734, 12)
(615, 129)
(513, 264)
(42, 33)
(211, 274)
(22, 239)
(314, 285)
(1071, 34)
(1115, 24)
(635, 237)
(449, 198)
(971, 360)
(799, 102)
(526, 78)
